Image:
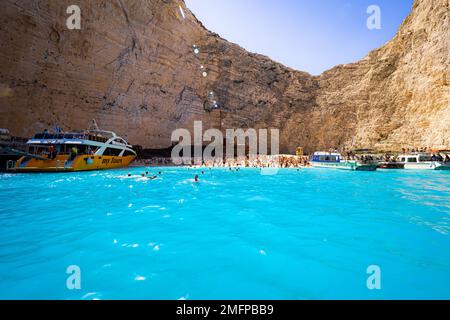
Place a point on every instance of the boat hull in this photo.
(432, 165)
(62, 163)
(392, 165)
(345, 165)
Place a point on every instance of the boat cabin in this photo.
(326, 157)
(414, 158)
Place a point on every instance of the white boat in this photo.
(335, 161)
(422, 161)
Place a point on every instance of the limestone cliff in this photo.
(133, 68)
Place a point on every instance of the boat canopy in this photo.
(415, 157)
(88, 135)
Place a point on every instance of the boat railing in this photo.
(26, 154)
(69, 136)
(60, 163)
(59, 136)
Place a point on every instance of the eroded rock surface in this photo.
(132, 67)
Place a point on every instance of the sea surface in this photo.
(306, 234)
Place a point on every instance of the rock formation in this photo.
(133, 68)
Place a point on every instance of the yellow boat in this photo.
(74, 151)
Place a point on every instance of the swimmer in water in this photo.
(146, 172)
(129, 174)
(203, 172)
(150, 178)
(196, 178)
(159, 172)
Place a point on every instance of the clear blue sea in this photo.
(308, 234)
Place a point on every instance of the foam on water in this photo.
(235, 234)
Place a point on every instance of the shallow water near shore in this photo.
(307, 234)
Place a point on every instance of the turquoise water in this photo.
(308, 234)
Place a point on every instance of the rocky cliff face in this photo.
(134, 68)
(399, 95)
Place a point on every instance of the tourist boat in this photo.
(388, 160)
(334, 160)
(391, 165)
(73, 151)
(422, 161)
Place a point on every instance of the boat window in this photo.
(326, 158)
(402, 159)
(128, 153)
(41, 149)
(112, 152)
(424, 158)
(120, 141)
(412, 160)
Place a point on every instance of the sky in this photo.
(307, 35)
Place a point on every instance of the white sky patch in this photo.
(182, 12)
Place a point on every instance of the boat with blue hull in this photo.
(335, 161)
